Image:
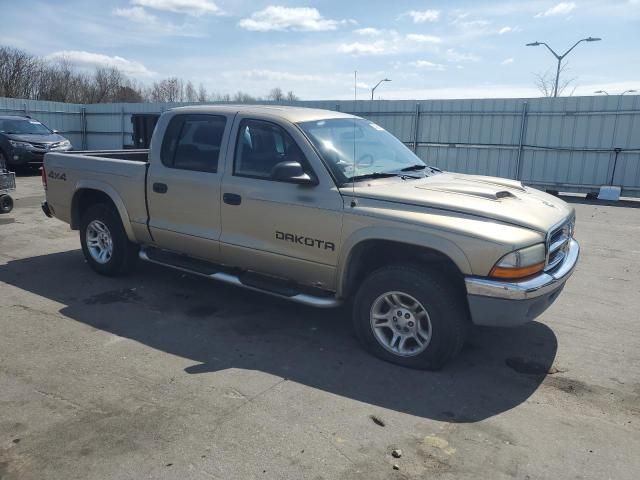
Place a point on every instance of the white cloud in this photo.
(455, 56)
(427, 65)
(468, 27)
(194, 8)
(357, 48)
(562, 8)
(504, 30)
(285, 18)
(91, 60)
(369, 31)
(421, 16)
(421, 38)
(154, 26)
(507, 61)
(135, 14)
(272, 75)
(476, 24)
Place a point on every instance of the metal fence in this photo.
(568, 143)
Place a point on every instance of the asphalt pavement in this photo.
(163, 375)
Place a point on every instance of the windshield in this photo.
(23, 127)
(376, 152)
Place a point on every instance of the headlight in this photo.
(521, 263)
(16, 144)
(66, 143)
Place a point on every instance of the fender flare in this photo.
(411, 237)
(112, 194)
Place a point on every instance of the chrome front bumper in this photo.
(501, 303)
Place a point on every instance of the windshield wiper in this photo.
(368, 176)
(421, 167)
(413, 167)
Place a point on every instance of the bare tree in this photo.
(242, 97)
(106, 83)
(546, 82)
(276, 94)
(168, 90)
(222, 97)
(23, 75)
(190, 94)
(17, 73)
(292, 97)
(202, 93)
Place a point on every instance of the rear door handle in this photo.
(160, 187)
(232, 199)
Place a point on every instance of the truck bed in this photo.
(121, 174)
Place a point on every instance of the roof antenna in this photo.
(353, 172)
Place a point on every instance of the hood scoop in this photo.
(504, 194)
(472, 191)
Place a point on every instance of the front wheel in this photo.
(104, 242)
(410, 316)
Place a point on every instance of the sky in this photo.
(429, 49)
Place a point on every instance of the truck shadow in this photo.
(221, 327)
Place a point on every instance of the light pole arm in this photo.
(553, 51)
(373, 90)
(574, 46)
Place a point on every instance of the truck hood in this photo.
(498, 199)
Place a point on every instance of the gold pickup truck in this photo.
(321, 207)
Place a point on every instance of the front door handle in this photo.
(232, 199)
(160, 187)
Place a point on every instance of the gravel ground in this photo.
(164, 375)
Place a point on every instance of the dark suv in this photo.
(24, 141)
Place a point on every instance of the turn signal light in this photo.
(515, 273)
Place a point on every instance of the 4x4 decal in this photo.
(57, 176)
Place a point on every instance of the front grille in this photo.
(558, 243)
(46, 146)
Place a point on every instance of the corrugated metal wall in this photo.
(568, 143)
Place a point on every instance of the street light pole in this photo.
(561, 57)
(631, 90)
(373, 90)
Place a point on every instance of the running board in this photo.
(244, 280)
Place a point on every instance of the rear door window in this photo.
(193, 142)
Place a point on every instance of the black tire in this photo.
(444, 305)
(124, 253)
(6, 203)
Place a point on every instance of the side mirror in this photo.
(292, 172)
(55, 131)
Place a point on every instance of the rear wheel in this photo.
(411, 317)
(104, 242)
